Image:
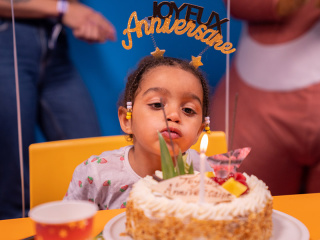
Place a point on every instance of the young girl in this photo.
(157, 83)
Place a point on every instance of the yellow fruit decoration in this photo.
(234, 187)
(210, 174)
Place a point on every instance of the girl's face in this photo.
(182, 96)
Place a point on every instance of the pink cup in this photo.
(67, 220)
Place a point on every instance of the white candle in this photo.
(203, 149)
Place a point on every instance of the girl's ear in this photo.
(199, 132)
(125, 124)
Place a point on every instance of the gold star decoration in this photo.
(158, 53)
(196, 61)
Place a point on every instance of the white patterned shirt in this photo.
(108, 178)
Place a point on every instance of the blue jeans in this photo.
(52, 95)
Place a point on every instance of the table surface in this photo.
(304, 207)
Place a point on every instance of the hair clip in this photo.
(129, 110)
(207, 127)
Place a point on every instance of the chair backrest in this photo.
(52, 163)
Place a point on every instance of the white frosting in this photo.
(158, 206)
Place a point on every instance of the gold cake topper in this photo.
(180, 26)
(204, 32)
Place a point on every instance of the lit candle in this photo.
(203, 149)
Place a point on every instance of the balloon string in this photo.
(18, 108)
(227, 79)
(233, 120)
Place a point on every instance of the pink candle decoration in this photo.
(203, 149)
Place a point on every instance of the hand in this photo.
(87, 24)
(287, 7)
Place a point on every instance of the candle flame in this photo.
(204, 143)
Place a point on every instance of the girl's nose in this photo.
(173, 115)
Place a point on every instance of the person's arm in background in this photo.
(276, 21)
(287, 7)
(86, 23)
(263, 10)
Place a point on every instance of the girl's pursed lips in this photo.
(174, 132)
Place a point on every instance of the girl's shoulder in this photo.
(106, 162)
(116, 152)
(114, 156)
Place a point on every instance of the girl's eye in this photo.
(189, 111)
(156, 105)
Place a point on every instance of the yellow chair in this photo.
(52, 163)
(216, 144)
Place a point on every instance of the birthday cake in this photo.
(170, 209)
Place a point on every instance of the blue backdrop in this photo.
(104, 67)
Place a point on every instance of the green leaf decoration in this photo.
(180, 164)
(191, 169)
(186, 165)
(167, 166)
